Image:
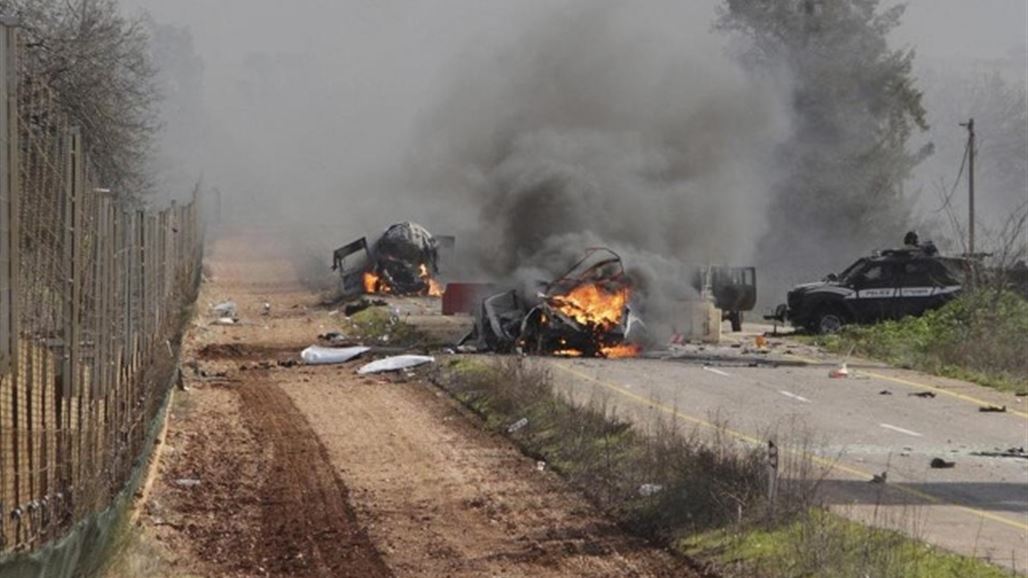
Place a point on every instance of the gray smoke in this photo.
(606, 126)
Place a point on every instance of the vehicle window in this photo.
(876, 275)
(942, 275)
(851, 272)
(917, 274)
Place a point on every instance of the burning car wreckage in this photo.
(404, 261)
(584, 313)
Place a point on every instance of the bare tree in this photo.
(98, 63)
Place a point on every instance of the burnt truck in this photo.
(889, 284)
(404, 260)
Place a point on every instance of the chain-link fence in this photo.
(92, 294)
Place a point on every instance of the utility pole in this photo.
(970, 186)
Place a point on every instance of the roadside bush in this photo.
(979, 336)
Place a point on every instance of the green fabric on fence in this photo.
(85, 549)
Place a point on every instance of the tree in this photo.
(839, 190)
(98, 64)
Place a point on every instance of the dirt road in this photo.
(273, 469)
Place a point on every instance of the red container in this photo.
(464, 298)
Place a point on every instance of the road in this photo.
(863, 425)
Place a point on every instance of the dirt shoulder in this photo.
(281, 470)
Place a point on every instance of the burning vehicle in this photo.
(584, 313)
(404, 261)
(888, 285)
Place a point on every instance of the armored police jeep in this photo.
(887, 285)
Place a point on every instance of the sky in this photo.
(310, 102)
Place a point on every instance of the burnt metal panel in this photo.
(351, 261)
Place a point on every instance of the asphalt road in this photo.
(852, 428)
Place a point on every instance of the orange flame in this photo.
(435, 289)
(568, 353)
(620, 351)
(374, 284)
(592, 304)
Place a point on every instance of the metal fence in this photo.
(91, 296)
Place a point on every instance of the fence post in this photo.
(9, 193)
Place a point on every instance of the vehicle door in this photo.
(926, 284)
(916, 287)
(875, 291)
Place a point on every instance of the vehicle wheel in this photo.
(736, 318)
(829, 321)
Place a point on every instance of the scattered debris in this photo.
(993, 409)
(356, 307)
(879, 478)
(941, 464)
(225, 321)
(540, 466)
(760, 341)
(335, 338)
(266, 309)
(1010, 453)
(840, 372)
(288, 363)
(396, 363)
(225, 309)
(923, 394)
(317, 355)
(647, 490)
(885, 392)
(187, 482)
(521, 423)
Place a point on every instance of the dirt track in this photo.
(313, 471)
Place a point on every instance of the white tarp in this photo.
(396, 363)
(317, 355)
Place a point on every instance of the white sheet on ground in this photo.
(317, 355)
(395, 363)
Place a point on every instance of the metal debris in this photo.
(1010, 453)
(647, 490)
(225, 309)
(521, 423)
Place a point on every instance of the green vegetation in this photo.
(979, 337)
(378, 326)
(818, 543)
(704, 495)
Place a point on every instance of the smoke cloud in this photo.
(605, 126)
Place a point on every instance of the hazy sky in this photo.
(353, 78)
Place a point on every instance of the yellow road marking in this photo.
(832, 464)
(932, 388)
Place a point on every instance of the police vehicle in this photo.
(887, 285)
